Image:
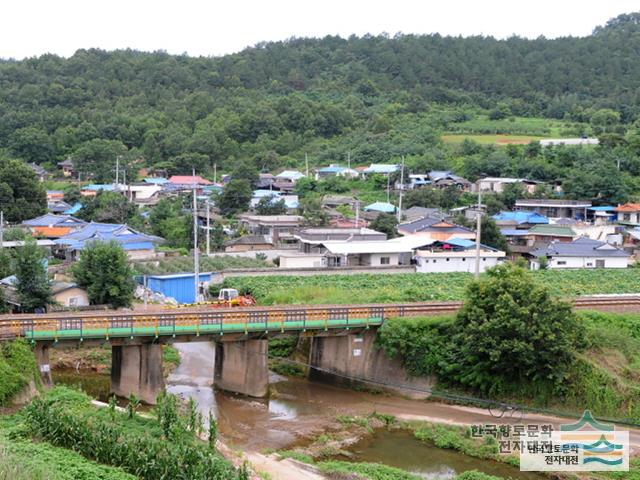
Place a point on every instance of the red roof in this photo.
(629, 207)
(189, 180)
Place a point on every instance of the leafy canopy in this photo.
(104, 271)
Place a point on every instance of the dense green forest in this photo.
(373, 98)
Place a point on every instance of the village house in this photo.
(67, 168)
(432, 229)
(555, 208)
(629, 214)
(286, 181)
(278, 228)
(334, 170)
(136, 245)
(445, 179)
(40, 172)
(63, 294)
(581, 253)
(519, 220)
(143, 194)
(312, 244)
(265, 181)
(53, 226)
(380, 169)
(497, 184)
(455, 255)
(248, 243)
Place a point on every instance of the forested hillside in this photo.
(375, 98)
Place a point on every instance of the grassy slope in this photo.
(385, 288)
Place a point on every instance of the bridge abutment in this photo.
(42, 358)
(349, 360)
(241, 367)
(137, 369)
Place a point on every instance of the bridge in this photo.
(342, 337)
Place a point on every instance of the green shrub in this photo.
(136, 445)
(17, 368)
(371, 471)
(476, 475)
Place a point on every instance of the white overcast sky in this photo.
(34, 27)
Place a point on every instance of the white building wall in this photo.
(583, 262)
(302, 261)
(454, 264)
(376, 259)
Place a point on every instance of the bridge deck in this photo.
(212, 321)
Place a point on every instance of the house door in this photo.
(600, 263)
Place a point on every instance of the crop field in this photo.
(387, 288)
(537, 127)
(492, 139)
(207, 264)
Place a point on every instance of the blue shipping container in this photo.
(179, 286)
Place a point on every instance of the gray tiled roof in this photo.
(582, 247)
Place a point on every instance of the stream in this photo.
(296, 411)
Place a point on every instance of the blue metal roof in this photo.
(381, 168)
(74, 209)
(332, 169)
(100, 187)
(54, 220)
(460, 242)
(512, 232)
(105, 232)
(521, 217)
(380, 207)
(602, 208)
(156, 180)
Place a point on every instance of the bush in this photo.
(17, 368)
(137, 445)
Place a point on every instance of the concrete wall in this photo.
(460, 264)
(375, 259)
(301, 261)
(347, 358)
(583, 262)
(65, 297)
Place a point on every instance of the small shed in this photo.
(178, 286)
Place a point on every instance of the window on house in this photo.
(464, 259)
(447, 259)
(385, 260)
(74, 301)
(561, 262)
(434, 261)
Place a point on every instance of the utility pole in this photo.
(215, 173)
(478, 233)
(196, 251)
(401, 190)
(357, 213)
(306, 162)
(349, 159)
(388, 191)
(208, 229)
(117, 169)
(1, 228)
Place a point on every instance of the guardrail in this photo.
(218, 321)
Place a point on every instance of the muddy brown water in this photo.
(296, 411)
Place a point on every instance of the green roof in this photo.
(552, 230)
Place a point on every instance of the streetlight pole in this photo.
(478, 233)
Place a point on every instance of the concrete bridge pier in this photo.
(241, 367)
(349, 359)
(137, 369)
(42, 359)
